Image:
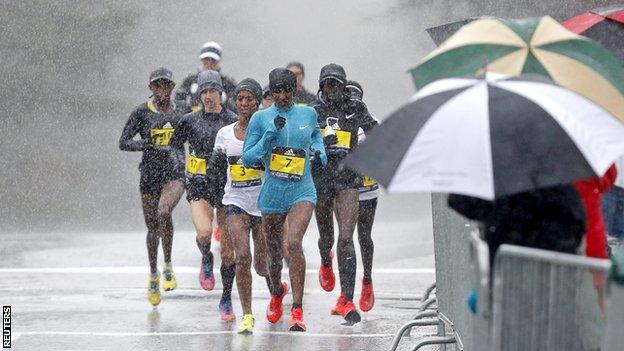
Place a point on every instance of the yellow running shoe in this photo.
(169, 280)
(153, 290)
(246, 326)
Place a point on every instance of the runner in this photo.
(237, 188)
(210, 56)
(337, 187)
(200, 129)
(302, 96)
(161, 182)
(368, 194)
(283, 137)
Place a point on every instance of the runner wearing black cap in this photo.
(210, 56)
(162, 178)
(199, 129)
(368, 193)
(301, 96)
(237, 188)
(284, 137)
(337, 187)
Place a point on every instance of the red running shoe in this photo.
(350, 314)
(367, 298)
(296, 320)
(340, 305)
(275, 308)
(216, 233)
(327, 279)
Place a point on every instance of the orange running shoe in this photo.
(340, 305)
(350, 314)
(327, 279)
(367, 298)
(296, 320)
(275, 308)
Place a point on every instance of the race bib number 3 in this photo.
(196, 165)
(161, 137)
(287, 163)
(344, 139)
(242, 176)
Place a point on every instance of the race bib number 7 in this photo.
(287, 163)
(161, 137)
(196, 165)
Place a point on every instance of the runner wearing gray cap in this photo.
(199, 129)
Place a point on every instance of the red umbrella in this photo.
(604, 25)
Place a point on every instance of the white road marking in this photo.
(223, 332)
(183, 269)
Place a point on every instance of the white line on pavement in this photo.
(259, 332)
(183, 269)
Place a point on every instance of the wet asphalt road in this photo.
(82, 291)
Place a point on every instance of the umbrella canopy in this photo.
(604, 25)
(440, 33)
(538, 45)
(490, 138)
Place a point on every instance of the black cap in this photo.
(281, 78)
(161, 73)
(266, 91)
(333, 71)
(355, 90)
(251, 86)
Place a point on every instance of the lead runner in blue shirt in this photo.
(283, 138)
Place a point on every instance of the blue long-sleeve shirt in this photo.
(301, 132)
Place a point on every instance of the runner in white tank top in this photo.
(237, 188)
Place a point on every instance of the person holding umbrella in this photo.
(341, 118)
(284, 137)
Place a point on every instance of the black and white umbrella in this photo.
(490, 137)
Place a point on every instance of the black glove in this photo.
(330, 140)
(280, 122)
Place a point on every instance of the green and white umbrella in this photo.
(537, 45)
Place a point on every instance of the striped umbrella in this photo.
(538, 45)
(604, 25)
(490, 137)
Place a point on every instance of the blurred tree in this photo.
(54, 53)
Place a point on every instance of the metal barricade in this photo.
(545, 300)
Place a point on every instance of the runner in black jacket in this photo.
(199, 129)
(162, 176)
(336, 186)
(210, 56)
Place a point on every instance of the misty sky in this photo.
(376, 41)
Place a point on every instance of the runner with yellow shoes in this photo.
(237, 188)
(162, 176)
(199, 129)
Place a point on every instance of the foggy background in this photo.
(72, 71)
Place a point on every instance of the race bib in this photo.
(161, 137)
(242, 176)
(287, 163)
(196, 165)
(368, 184)
(344, 139)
